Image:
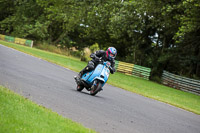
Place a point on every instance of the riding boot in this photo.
(81, 73)
(78, 77)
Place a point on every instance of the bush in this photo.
(156, 79)
(87, 52)
(75, 53)
(94, 47)
(52, 48)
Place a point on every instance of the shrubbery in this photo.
(87, 51)
(83, 54)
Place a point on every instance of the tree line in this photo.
(162, 35)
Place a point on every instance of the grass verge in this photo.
(187, 101)
(18, 114)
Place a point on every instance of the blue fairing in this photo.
(101, 73)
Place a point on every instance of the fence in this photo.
(17, 40)
(132, 69)
(181, 83)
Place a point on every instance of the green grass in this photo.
(185, 100)
(18, 114)
(188, 101)
(65, 61)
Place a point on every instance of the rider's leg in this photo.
(88, 68)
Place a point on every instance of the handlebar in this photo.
(108, 64)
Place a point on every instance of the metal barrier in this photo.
(2, 37)
(141, 71)
(17, 40)
(181, 83)
(132, 69)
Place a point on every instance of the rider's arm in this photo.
(112, 70)
(96, 55)
(92, 56)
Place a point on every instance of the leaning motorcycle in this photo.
(94, 80)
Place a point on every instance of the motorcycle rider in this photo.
(108, 55)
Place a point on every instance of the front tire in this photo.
(96, 88)
(79, 87)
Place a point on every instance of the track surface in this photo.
(112, 111)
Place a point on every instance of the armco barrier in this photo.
(17, 40)
(181, 83)
(9, 39)
(141, 71)
(126, 68)
(2, 37)
(29, 43)
(132, 69)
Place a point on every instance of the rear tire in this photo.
(79, 87)
(95, 89)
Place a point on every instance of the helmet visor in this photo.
(112, 55)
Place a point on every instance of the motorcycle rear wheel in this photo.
(95, 89)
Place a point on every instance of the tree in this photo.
(162, 35)
(188, 38)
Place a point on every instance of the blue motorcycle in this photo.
(94, 80)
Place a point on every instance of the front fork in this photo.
(95, 85)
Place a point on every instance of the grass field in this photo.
(20, 115)
(188, 101)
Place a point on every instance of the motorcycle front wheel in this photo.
(96, 88)
(79, 87)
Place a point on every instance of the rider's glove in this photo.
(112, 70)
(97, 59)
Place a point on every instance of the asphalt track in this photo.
(113, 110)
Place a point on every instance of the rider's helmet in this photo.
(111, 53)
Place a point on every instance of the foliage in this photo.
(94, 47)
(52, 48)
(85, 56)
(87, 52)
(163, 35)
